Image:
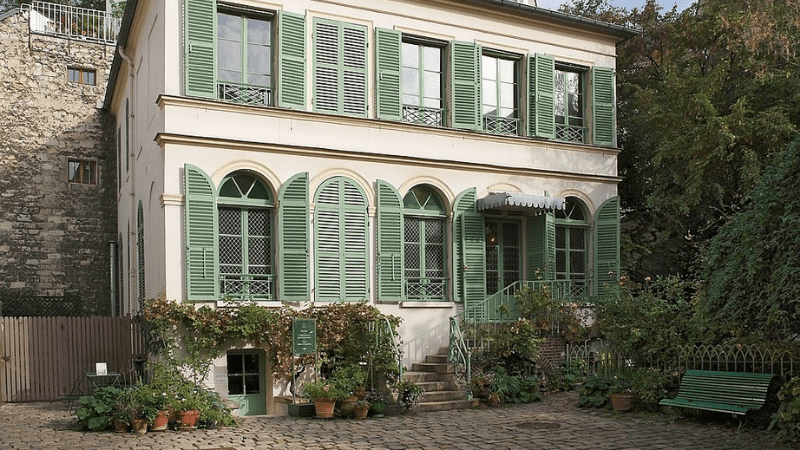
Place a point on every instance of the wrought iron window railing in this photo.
(433, 289)
(243, 93)
(72, 22)
(501, 125)
(570, 133)
(240, 286)
(423, 116)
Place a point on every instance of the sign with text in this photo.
(304, 336)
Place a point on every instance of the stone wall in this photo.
(54, 235)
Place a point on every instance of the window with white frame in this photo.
(422, 83)
(244, 56)
(500, 94)
(569, 104)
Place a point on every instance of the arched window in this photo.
(424, 237)
(246, 269)
(571, 244)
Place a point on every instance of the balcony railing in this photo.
(432, 289)
(72, 22)
(423, 116)
(570, 133)
(247, 286)
(501, 125)
(243, 93)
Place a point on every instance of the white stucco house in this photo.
(417, 155)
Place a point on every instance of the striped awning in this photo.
(513, 201)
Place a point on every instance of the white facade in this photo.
(164, 129)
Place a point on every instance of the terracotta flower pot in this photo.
(160, 422)
(139, 426)
(187, 420)
(622, 401)
(361, 411)
(324, 407)
(120, 426)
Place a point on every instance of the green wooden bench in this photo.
(728, 392)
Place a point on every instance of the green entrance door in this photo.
(246, 382)
(503, 261)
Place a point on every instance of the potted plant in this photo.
(622, 393)
(323, 394)
(409, 393)
(348, 379)
(188, 406)
(377, 403)
(161, 419)
(503, 385)
(361, 409)
(96, 410)
(138, 403)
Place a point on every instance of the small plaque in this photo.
(304, 336)
(101, 368)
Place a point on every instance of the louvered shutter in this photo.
(606, 245)
(291, 60)
(391, 260)
(388, 46)
(293, 240)
(466, 78)
(200, 54)
(541, 237)
(469, 251)
(340, 68)
(140, 248)
(341, 242)
(201, 238)
(604, 130)
(541, 96)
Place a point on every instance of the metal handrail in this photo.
(489, 311)
(72, 22)
(459, 354)
(397, 350)
(423, 287)
(239, 286)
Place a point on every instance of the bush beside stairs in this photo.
(437, 377)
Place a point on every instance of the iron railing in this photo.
(423, 116)
(460, 355)
(395, 346)
(570, 133)
(72, 22)
(501, 125)
(431, 289)
(248, 287)
(243, 93)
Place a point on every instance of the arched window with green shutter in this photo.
(200, 233)
(341, 240)
(244, 209)
(469, 253)
(572, 228)
(606, 245)
(424, 224)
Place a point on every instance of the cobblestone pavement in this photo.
(555, 423)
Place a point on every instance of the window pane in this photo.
(507, 70)
(234, 364)
(229, 60)
(252, 386)
(235, 385)
(90, 77)
(258, 31)
(258, 65)
(559, 94)
(410, 82)
(433, 58)
(432, 102)
(507, 97)
(251, 364)
(229, 27)
(412, 100)
(410, 55)
(74, 171)
(489, 89)
(489, 67)
(432, 84)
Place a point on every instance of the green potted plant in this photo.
(361, 409)
(622, 392)
(348, 379)
(324, 394)
(409, 393)
(377, 403)
(97, 410)
(139, 404)
(188, 405)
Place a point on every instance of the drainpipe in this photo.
(131, 154)
(112, 250)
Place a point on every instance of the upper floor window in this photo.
(340, 67)
(569, 101)
(244, 57)
(82, 171)
(82, 76)
(422, 83)
(500, 93)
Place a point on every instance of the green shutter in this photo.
(291, 60)
(541, 237)
(541, 97)
(606, 245)
(200, 52)
(387, 65)
(466, 65)
(469, 250)
(293, 234)
(340, 67)
(201, 237)
(391, 260)
(604, 130)
(341, 242)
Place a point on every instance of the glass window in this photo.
(244, 58)
(422, 84)
(500, 94)
(82, 171)
(571, 240)
(245, 238)
(569, 103)
(82, 76)
(424, 234)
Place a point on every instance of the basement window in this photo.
(82, 171)
(81, 76)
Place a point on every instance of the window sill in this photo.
(427, 305)
(265, 304)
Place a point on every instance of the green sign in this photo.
(304, 336)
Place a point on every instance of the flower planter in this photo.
(361, 411)
(622, 401)
(324, 407)
(187, 420)
(160, 422)
(120, 426)
(139, 426)
(378, 408)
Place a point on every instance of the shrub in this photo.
(788, 415)
(594, 391)
(97, 411)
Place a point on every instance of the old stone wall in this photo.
(54, 234)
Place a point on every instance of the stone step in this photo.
(433, 367)
(422, 377)
(434, 386)
(436, 359)
(442, 396)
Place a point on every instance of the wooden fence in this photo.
(47, 358)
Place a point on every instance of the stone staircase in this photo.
(437, 377)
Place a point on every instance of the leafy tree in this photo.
(752, 266)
